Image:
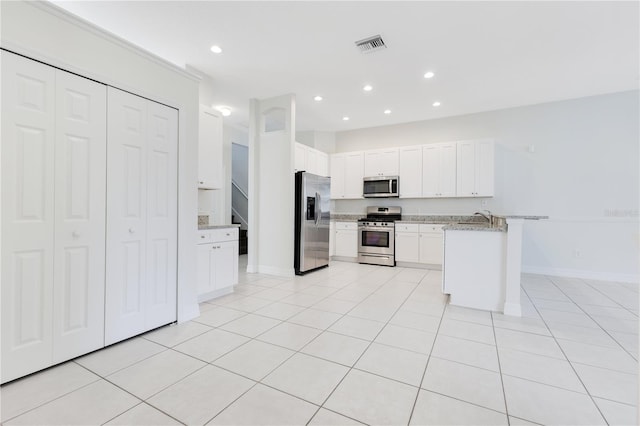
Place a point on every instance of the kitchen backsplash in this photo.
(203, 219)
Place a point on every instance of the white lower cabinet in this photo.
(53, 215)
(431, 244)
(419, 243)
(407, 243)
(346, 239)
(217, 262)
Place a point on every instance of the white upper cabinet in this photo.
(347, 171)
(353, 173)
(310, 160)
(410, 172)
(439, 170)
(209, 149)
(381, 162)
(475, 174)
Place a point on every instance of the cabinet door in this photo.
(430, 171)
(28, 123)
(161, 215)
(323, 164)
(484, 165)
(204, 278)
(389, 162)
(353, 174)
(299, 157)
(410, 172)
(225, 264)
(407, 247)
(337, 176)
(126, 257)
(447, 170)
(466, 169)
(312, 161)
(80, 190)
(431, 248)
(372, 163)
(209, 149)
(346, 243)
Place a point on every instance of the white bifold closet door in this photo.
(53, 223)
(141, 280)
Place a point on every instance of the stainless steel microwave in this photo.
(380, 186)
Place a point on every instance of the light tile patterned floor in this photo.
(353, 344)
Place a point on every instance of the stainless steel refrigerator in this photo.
(311, 222)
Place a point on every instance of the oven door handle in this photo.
(376, 228)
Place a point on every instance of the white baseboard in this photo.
(579, 273)
(280, 272)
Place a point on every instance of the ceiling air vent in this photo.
(371, 44)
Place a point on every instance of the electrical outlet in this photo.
(577, 253)
(483, 203)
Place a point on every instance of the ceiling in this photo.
(485, 55)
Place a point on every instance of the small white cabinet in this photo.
(346, 239)
(439, 170)
(475, 174)
(419, 243)
(347, 172)
(217, 262)
(407, 243)
(209, 149)
(431, 244)
(410, 172)
(310, 160)
(381, 162)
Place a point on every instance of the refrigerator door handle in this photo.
(318, 211)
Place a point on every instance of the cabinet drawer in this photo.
(217, 235)
(431, 227)
(407, 227)
(347, 226)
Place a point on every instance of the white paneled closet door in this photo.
(80, 191)
(162, 215)
(141, 216)
(28, 135)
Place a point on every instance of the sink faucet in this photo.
(487, 216)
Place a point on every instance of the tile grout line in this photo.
(569, 361)
(504, 392)
(596, 322)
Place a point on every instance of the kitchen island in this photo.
(483, 262)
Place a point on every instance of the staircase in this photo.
(243, 236)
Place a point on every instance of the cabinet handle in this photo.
(201, 182)
(201, 236)
(75, 234)
(131, 230)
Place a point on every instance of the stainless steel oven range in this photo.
(376, 236)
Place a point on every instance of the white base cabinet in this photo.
(346, 239)
(419, 243)
(217, 262)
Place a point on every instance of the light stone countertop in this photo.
(209, 227)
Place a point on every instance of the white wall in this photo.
(46, 33)
(583, 173)
(322, 141)
(271, 187)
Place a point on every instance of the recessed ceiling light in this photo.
(345, 118)
(436, 104)
(367, 88)
(428, 74)
(216, 49)
(317, 98)
(387, 111)
(224, 110)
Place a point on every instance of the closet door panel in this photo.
(161, 215)
(28, 125)
(80, 188)
(126, 216)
